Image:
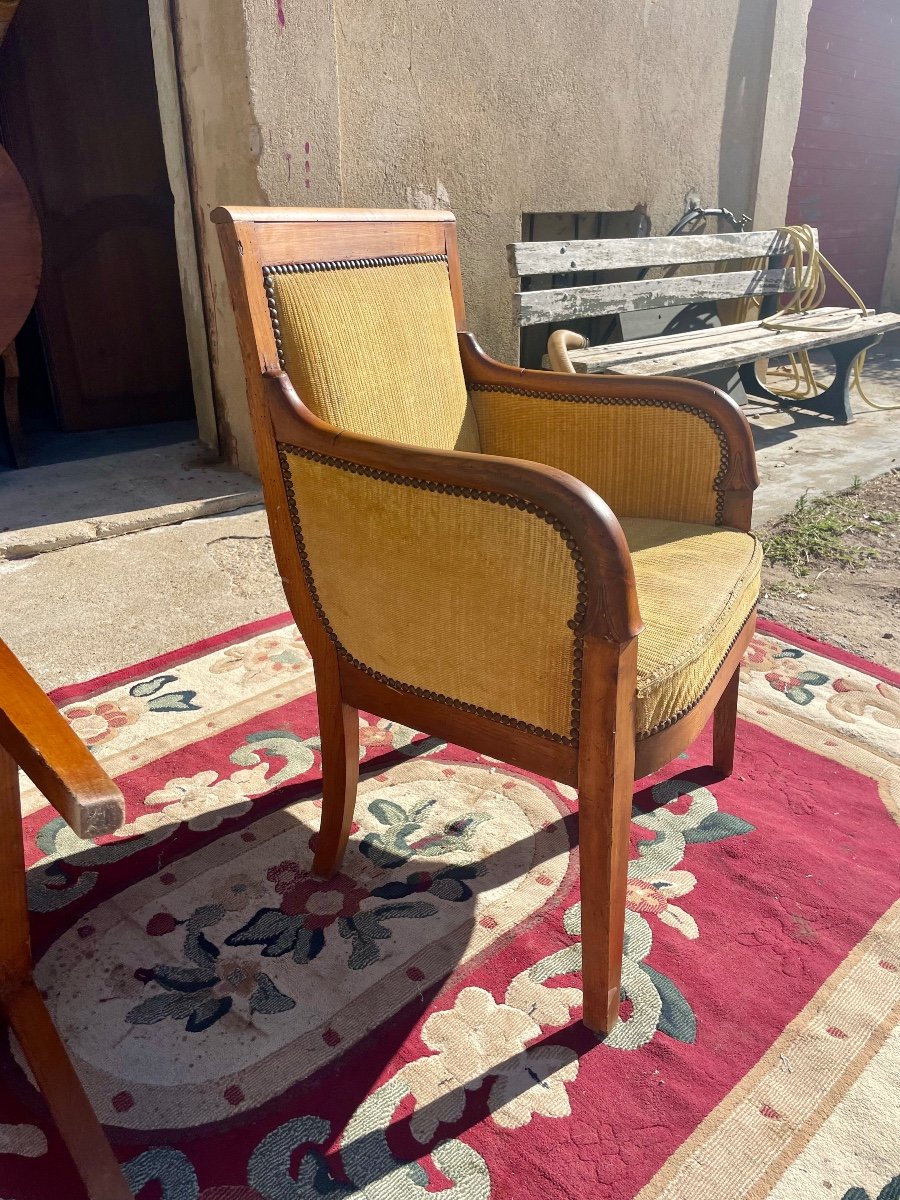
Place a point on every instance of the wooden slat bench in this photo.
(846, 333)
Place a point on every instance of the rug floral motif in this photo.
(411, 1026)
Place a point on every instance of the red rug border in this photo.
(174, 658)
(805, 642)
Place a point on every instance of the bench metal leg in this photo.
(834, 401)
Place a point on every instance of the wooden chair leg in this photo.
(66, 1098)
(339, 733)
(605, 786)
(725, 724)
(22, 1006)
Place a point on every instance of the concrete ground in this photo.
(799, 453)
(85, 486)
(80, 609)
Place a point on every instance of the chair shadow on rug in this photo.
(438, 524)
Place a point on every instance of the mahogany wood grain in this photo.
(340, 217)
(52, 755)
(605, 787)
(603, 763)
(339, 733)
(15, 942)
(21, 1004)
(725, 724)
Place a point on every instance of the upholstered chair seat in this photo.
(553, 570)
(714, 573)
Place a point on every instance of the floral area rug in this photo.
(411, 1027)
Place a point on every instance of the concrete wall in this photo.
(489, 110)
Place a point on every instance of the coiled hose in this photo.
(812, 269)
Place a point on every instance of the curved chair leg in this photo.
(605, 788)
(724, 725)
(23, 1007)
(339, 733)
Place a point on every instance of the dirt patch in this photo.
(832, 569)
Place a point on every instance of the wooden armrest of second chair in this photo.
(35, 737)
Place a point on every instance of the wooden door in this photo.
(847, 150)
(80, 118)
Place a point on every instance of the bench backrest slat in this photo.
(608, 254)
(606, 299)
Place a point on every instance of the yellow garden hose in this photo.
(561, 341)
(811, 266)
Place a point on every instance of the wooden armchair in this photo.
(438, 523)
(36, 738)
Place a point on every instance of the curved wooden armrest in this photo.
(739, 480)
(611, 605)
(47, 749)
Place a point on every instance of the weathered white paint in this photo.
(605, 299)
(745, 346)
(605, 254)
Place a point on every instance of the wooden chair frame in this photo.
(36, 738)
(606, 759)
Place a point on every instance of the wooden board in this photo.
(724, 347)
(605, 254)
(651, 345)
(20, 251)
(597, 300)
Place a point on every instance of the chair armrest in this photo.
(652, 446)
(463, 578)
(48, 750)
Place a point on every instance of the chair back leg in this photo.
(605, 789)
(725, 725)
(339, 733)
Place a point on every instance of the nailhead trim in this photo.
(684, 711)
(340, 264)
(632, 402)
(469, 494)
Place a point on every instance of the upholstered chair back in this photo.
(370, 345)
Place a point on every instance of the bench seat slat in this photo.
(607, 299)
(740, 344)
(700, 339)
(605, 254)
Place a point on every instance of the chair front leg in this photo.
(339, 734)
(605, 789)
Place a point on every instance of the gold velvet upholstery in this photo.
(648, 459)
(373, 350)
(696, 586)
(453, 595)
(458, 598)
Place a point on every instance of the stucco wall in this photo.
(222, 153)
(491, 110)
